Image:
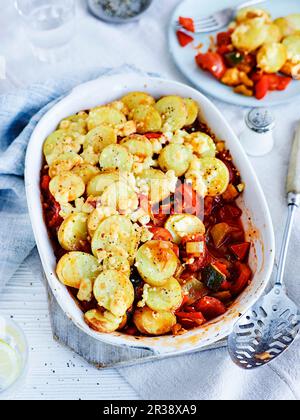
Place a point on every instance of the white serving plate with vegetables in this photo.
(206, 82)
(256, 219)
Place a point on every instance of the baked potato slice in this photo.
(292, 45)
(85, 293)
(64, 163)
(288, 25)
(138, 146)
(116, 235)
(66, 187)
(114, 292)
(192, 111)
(157, 183)
(212, 172)
(98, 184)
(274, 34)
(97, 216)
(250, 35)
(181, 225)
(118, 263)
(85, 171)
(166, 298)
(75, 267)
(202, 144)
(250, 13)
(73, 233)
(102, 321)
(75, 123)
(116, 157)
(272, 57)
(99, 138)
(135, 99)
(156, 262)
(173, 111)
(60, 142)
(175, 157)
(147, 119)
(120, 196)
(149, 322)
(105, 115)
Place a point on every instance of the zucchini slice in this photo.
(64, 163)
(135, 99)
(138, 146)
(156, 262)
(194, 290)
(147, 119)
(60, 142)
(75, 267)
(166, 298)
(213, 278)
(105, 115)
(181, 225)
(192, 111)
(99, 183)
(85, 171)
(173, 112)
(175, 157)
(120, 196)
(114, 292)
(116, 157)
(73, 233)
(117, 235)
(66, 187)
(154, 323)
(102, 322)
(215, 175)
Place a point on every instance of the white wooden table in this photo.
(55, 373)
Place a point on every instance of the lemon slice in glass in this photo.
(10, 365)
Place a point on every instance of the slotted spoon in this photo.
(221, 19)
(271, 326)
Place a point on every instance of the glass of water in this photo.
(49, 26)
(13, 357)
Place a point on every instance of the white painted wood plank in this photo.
(54, 372)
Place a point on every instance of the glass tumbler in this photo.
(49, 26)
(13, 357)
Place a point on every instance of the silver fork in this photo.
(220, 19)
(271, 326)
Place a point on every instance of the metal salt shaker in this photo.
(257, 139)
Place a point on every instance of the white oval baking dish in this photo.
(256, 213)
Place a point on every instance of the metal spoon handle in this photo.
(293, 190)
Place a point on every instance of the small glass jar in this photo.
(257, 138)
(13, 358)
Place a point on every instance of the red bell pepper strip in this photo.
(153, 135)
(187, 23)
(269, 82)
(262, 88)
(184, 39)
(241, 251)
(243, 279)
(190, 319)
(212, 62)
(210, 307)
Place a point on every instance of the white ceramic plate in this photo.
(185, 57)
(256, 214)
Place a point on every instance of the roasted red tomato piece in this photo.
(243, 279)
(187, 23)
(161, 234)
(229, 212)
(210, 307)
(184, 39)
(190, 320)
(241, 251)
(212, 62)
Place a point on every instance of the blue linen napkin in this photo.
(20, 111)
